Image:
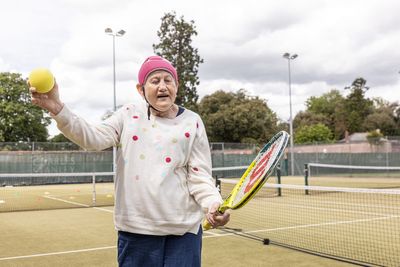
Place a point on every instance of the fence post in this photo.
(94, 189)
(218, 183)
(278, 176)
(306, 177)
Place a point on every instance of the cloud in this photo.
(242, 44)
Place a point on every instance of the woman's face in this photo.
(160, 89)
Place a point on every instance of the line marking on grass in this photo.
(102, 209)
(78, 204)
(67, 201)
(56, 253)
(329, 209)
(306, 226)
(212, 233)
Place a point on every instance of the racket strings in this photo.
(264, 166)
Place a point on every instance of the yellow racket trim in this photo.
(227, 204)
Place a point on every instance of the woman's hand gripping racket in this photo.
(256, 174)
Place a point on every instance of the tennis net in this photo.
(352, 176)
(355, 225)
(44, 191)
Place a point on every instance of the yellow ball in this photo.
(42, 80)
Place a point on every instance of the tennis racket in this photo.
(256, 174)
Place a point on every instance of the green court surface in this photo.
(45, 197)
(86, 237)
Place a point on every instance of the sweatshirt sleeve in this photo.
(88, 136)
(200, 181)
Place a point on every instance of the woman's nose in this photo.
(163, 85)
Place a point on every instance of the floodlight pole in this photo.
(290, 57)
(120, 33)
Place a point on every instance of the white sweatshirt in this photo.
(163, 183)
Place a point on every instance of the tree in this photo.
(237, 117)
(329, 110)
(59, 138)
(374, 137)
(383, 118)
(304, 118)
(176, 45)
(19, 120)
(356, 106)
(313, 133)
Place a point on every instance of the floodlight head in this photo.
(121, 32)
(294, 56)
(359, 82)
(286, 55)
(108, 30)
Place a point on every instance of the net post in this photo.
(278, 176)
(218, 183)
(306, 176)
(94, 189)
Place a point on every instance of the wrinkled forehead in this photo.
(160, 74)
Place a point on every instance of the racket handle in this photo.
(206, 225)
(220, 211)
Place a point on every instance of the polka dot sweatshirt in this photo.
(163, 183)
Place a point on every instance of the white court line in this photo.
(333, 209)
(356, 205)
(67, 201)
(78, 204)
(307, 225)
(212, 233)
(56, 253)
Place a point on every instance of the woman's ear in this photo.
(140, 90)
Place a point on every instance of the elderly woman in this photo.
(163, 183)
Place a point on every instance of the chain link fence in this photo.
(37, 157)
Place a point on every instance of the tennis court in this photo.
(86, 237)
(72, 225)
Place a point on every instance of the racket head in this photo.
(257, 173)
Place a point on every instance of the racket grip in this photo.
(206, 225)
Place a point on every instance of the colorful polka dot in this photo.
(142, 156)
(174, 140)
(137, 177)
(154, 126)
(195, 169)
(187, 134)
(135, 138)
(197, 125)
(167, 159)
(135, 117)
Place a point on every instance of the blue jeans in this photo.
(137, 250)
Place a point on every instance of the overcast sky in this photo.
(241, 42)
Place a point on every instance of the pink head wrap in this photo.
(154, 63)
